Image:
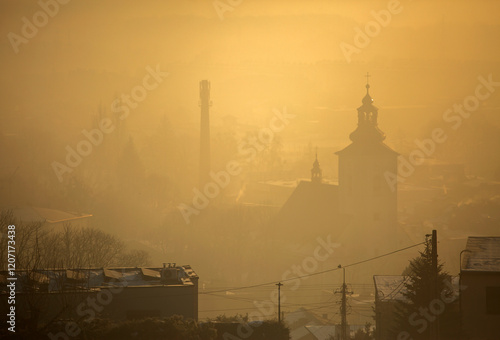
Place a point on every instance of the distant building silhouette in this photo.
(316, 173)
(360, 213)
(119, 293)
(205, 104)
(364, 193)
(313, 204)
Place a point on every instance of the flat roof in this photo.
(91, 278)
(482, 254)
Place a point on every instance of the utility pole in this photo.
(434, 330)
(279, 284)
(343, 308)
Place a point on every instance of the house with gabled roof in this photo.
(480, 292)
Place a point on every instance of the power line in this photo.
(368, 316)
(394, 290)
(312, 274)
(284, 304)
(303, 286)
(298, 277)
(383, 255)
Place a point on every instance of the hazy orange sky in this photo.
(90, 51)
(118, 35)
(260, 56)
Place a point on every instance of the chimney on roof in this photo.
(169, 275)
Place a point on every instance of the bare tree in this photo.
(38, 249)
(133, 258)
(28, 237)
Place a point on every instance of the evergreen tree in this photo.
(419, 309)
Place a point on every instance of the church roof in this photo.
(310, 205)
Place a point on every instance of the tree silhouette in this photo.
(419, 309)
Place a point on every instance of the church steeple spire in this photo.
(367, 99)
(367, 129)
(316, 173)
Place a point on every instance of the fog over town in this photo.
(250, 169)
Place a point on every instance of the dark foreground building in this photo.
(43, 296)
(480, 280)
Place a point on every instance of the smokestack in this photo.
(204, 132)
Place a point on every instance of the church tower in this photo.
(364, 194)
(316, 173)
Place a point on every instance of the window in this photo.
(493, 300)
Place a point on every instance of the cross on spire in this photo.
(367, 76)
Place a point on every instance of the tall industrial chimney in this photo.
(204, 132)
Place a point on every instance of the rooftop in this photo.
(53, 280)
(44, 215)
(392, 287)
(389, 287)
(310, 204)
(482, 254)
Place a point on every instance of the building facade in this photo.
(114, 293)
(480, 288)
